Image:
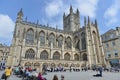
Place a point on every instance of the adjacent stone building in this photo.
(39, 45)
(4, 52)
(111, 44)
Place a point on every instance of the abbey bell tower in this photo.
(71, 22)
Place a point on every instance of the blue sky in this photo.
(51, 12)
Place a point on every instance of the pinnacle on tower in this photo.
(77, 11)
(64, 15)
(20, 15)
(71, 9)
(85, 20)
(95, 22)
(88, 20)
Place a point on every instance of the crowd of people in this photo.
(28, 73)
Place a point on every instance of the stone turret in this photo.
(96, 23)
(20, 15)
(77, 12)
(71, 10)
(71, 22)
(88, 20)
(84, 20)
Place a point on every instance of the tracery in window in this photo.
(84, 56)
(83, 41)
(60, 41)
(76, 43)
(51, 39)
(30, 54)
(68, 43)
(30, 37)
(44, 55)
(42, 38)
(56, 56)
(76, 57)
(67, 56)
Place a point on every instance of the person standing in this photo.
(8, 72)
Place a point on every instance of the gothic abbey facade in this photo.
(38, 45)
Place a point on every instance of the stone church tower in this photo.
(39, 45)
(71, 22)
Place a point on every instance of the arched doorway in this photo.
(27, 64)
(72, 65)
(53, 65)
(84, 56)
(76, 57)
(44, 55)
(36, 64)
(56, 56)
(67, 56)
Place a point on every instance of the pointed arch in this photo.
(27, 64)
(67, 56)
(76, 57)
(29, 36)
(60, 41)
(66, 65)
(83, 40)
(36, 64)
(68, 42)
(42, 38)
(30, 54)
(84, 56)
(51, 39)
(53, 65)
(76, 43)
(44, 55)
(56, 56)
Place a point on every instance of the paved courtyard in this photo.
(78, 76)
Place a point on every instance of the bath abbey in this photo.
(39, 45)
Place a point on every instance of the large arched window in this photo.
(30, 37)
(76, 57)
(96, 45)
(67, 56)
(84, 56)
(44, 55)
(51, 39)
(42, 38)
(30, 54)
(76, 43)
(60, 41)
(69, 43)
(83, 41)
(56, 56)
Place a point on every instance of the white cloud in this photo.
(112, 12)
(56, 8)
(6, 28)
(53, 8)
(87, 7)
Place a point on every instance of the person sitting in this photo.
(40, 77)
(100, 72)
